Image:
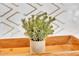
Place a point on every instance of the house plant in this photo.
(37, 27)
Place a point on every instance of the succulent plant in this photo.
(37, 27)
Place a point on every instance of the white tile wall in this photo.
(67, 16)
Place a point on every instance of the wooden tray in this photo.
(55, 46)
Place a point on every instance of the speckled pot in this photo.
(37, 46)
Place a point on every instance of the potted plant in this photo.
(37, 27)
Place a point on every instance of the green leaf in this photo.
(37, 27)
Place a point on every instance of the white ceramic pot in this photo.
(37, 46)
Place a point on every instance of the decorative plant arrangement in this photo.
(37, 27)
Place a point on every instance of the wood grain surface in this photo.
(55, 46)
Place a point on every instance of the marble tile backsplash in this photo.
(67, 15)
